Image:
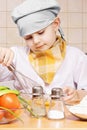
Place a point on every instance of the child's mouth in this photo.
(39, 47)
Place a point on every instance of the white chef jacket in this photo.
(72, 72)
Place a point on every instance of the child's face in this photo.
(43, 39)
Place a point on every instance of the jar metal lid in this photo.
(56, 92)
(37, 90)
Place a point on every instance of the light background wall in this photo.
(73, 21)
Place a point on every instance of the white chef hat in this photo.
(33, 15)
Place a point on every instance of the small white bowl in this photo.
(79, 111)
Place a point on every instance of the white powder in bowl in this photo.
(55, 114)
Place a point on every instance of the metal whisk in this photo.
(25, 82)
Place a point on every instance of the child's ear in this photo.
(56, 23)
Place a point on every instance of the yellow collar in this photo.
(46, 63)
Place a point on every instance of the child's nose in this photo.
(36, 39)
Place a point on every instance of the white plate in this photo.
(79, 111)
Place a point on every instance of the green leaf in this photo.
(2, 92)
(25, 104)
(3, 87)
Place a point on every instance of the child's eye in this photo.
(28, 38)
(41, 32)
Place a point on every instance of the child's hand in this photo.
(71, 95)
(6, 56)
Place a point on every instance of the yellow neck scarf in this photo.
(46, 63)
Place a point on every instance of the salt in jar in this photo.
(56, 108)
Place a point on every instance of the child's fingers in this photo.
(68, 90)
(8, 58)
(2, 54)
(70, 97)
(70, 93)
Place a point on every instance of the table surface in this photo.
(70, 122)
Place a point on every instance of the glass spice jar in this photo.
(56, 108)
(38, 102)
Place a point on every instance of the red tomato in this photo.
(1, 114)
(9, 100)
